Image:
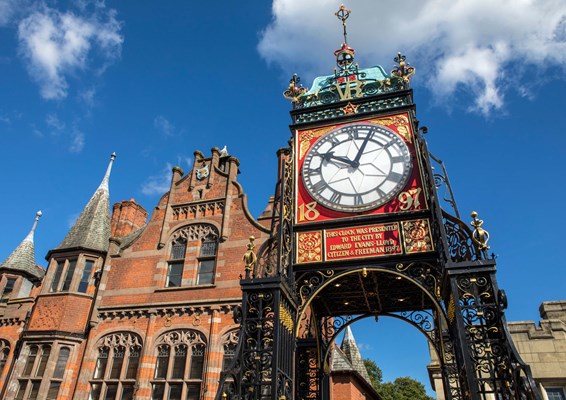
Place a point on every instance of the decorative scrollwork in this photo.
(461, 245)
(498, 368)
(309, 282)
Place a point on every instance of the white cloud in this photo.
(55, 44)
(158, 184)
(480, 47)
(77, 141)
(164, 126)
(7, 11)
(53, 121)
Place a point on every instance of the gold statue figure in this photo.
(480, 235)
(249, 257)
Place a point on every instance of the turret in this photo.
(19, 272)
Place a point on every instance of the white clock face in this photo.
(356, 167)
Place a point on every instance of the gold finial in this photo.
(249, 257)
(224, 395)
(480, 235)
(343, 13)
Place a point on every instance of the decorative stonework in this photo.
(196, 312)
(200, 210)
(195, 232)
(182, 336)
(122, 339)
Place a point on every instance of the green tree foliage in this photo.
(404, 388)
(374, 372)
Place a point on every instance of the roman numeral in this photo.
(314, 171)
(335, 198)
(394, 176)
(319, 186)
(358, 200)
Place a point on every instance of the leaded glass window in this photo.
(35, 370)
(177, 264)
(207, 261)
(555, 394)
(116, 368)
(4, 353)
(179, 368)
(7, 292)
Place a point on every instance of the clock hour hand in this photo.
(356, 162)
(330, 155)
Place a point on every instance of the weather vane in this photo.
(343, 13)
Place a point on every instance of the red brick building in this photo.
(131, 308)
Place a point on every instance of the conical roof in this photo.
(352, 353)
(23, 257)
(92, 228)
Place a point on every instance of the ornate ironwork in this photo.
(275, 255)
(496, 368)
(263, 366)
(309, 375)
(459, 240)
(441, 180)
(403, 72)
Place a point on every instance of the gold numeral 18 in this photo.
(308, 212)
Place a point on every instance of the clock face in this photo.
(356, 167)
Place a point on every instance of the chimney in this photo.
(127, 216)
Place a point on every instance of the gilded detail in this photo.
(417, 236)
(401, 122)
(309, 247)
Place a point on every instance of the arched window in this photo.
(4, 353)
(198, 267)
(207, 261)
(116, 367)
(176, 263)
(180, 365)
(34, 369)
(229, 344)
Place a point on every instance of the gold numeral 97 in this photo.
(410, 199)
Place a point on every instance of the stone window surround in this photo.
(81, 260)
(194, 235)
(15, 290)
(113, 340)
(47, 376)
(4, 355)
(172, 339)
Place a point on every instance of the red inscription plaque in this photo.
(362, 242)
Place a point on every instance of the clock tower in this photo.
(362, 228)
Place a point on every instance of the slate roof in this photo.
(23, 257)
(92, 228)
(352, 354)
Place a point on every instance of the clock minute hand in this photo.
(356, 161)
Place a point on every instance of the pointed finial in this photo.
(224, 152)
(343, 13)
(104, 183)
(29, 237)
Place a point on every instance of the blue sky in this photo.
(154, 81)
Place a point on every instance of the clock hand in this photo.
(356, 162)
(330, 155)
